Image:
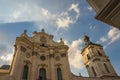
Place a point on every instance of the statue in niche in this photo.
(42, 39)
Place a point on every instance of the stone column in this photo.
(34, 66)
(16, 68)
(66, 67)
(52, 64)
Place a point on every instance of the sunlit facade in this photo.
(41, 58)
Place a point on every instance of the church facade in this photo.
(41, 58)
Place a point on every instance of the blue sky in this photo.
(69, 19)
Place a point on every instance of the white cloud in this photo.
(112, 35)
(6, 58)
(64, 14)
(28, 12)
(76, 9)
(89, 8)
(16, 14)
(44, 12)
(103, 39)
(63, 22)
(33, 12)
(75, 58)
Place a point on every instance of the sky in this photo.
(69, 19)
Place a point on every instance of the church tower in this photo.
(40, 58)
(96, 61)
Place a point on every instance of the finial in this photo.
(43, 30)
(87, 40)
(35, 32)
(60, 39)
(25, 31)
(80, 74)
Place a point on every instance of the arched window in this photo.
(93, 70)
(42, 74)
(59, 74)
(25, 72)
(106, 68)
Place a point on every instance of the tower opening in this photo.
(99, 53)
(93, 70)
(106, 68)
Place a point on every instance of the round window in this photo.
(42, 58)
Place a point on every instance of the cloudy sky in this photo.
(69, 19)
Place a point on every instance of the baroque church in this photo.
(41, 58)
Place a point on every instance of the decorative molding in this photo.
(34, 53)
(23, 49)
(51, 55)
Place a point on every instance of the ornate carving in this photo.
(63, 55)
(27, 62)
(57, 58)
(42, 39)
(43, 65)
(34, 53)
(28, 55)
(23, 49)
(51, 55)
(96, 59)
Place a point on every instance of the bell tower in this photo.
(96, 61)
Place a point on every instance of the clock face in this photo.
(42, 58)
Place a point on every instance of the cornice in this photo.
(90, 46)
(24, 40)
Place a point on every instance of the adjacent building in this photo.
(107, 11)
